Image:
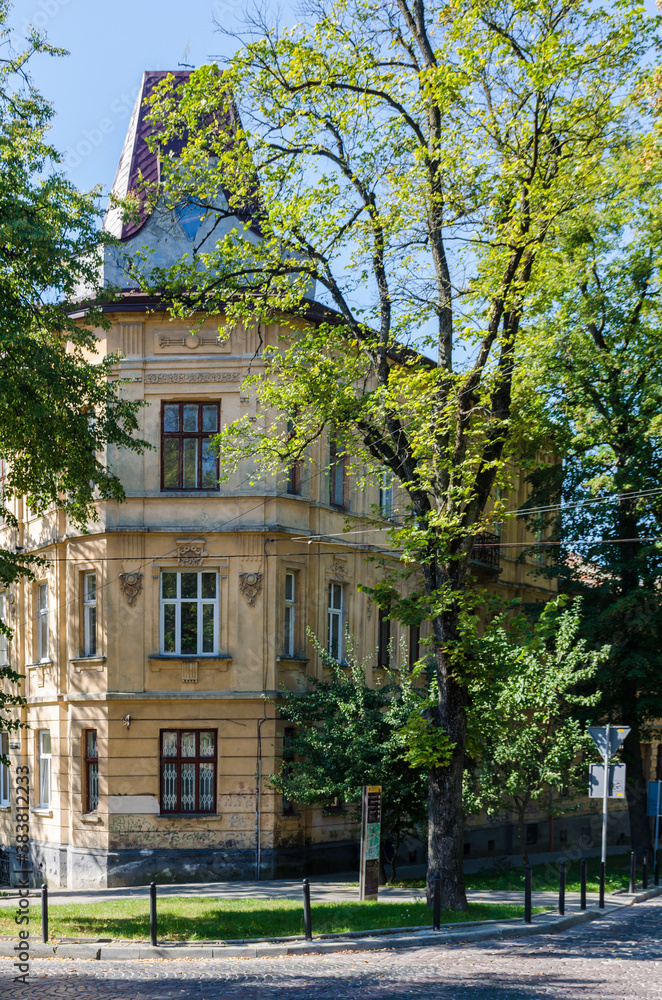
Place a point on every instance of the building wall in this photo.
(248, 532)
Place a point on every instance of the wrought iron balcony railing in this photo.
(486, 550)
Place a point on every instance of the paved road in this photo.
(616, 958)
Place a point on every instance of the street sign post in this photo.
(370, 841)
(607, 739)
(616, 781)
(654, 806)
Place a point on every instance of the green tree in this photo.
(523, 738)
(602, 378)
(412, 162)
(350, 733)
(58, 409)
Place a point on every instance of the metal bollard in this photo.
(436, 903)
(582, 884)
(633, 875)
(562, 888)
(656, 870)
(527, 894)
(307, 915)
(152, 913)
(601, 903)
(644, 873)
(44, 913)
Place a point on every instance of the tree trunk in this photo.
(446, 818)
(636, 790)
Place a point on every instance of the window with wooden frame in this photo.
(42, 622)
(44, 765)
(91, 770)
(414, 645)
(89, 614)
(383, 640)
(336, 613)
(4, 656)
(189, 613)
(188, 460)
(289, 636)
(386, 494)
(188, 770)
(294, 469)
(337, 476)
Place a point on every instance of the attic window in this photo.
(189, 217)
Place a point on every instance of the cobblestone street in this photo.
(616, 958)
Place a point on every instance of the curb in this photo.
(488, 931)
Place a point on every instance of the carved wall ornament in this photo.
(131, 584)
(250, 584)
(338, 571)
(159, 378)
(191, 552)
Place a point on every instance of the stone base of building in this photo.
(86, 868)
(65, 867)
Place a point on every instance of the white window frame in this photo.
(386, 495)
(336, 619)
(89, 614)
(43, 642)
(45, 758)
(4, 653)
(4, 772)
(289, 635)
(178, 602)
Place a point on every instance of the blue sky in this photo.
(111, 44)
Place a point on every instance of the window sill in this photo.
(195, 816)
(178, 657)
(292, 659)
(40, 663)
(44, 811)
(88, 663)
(5, 807)
(90, 818)
(88, 659)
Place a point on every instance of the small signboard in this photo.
(655, 798)
(370, 841)
(596, 783)
(616, 736)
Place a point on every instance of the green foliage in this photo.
(415, 167)
(349, 733)
(523, 737)
(601, 382)
(58, 409)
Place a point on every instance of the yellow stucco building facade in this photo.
(154, 646)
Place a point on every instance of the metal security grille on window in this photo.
(188, 461)
(189, 613)
(290, 607)
(188, 770)
(42, 620)
(335, 620)
(90, 614)
(92, 769)
(44, 767)
(4, 770)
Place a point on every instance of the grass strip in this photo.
(205, 919)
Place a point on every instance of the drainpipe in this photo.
(258, 804)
